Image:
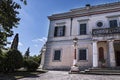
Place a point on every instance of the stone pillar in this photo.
(111, 53)
(95, 54)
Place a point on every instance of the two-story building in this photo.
(98, 31)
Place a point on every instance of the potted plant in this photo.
(102, 63)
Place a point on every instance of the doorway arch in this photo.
(101, 53)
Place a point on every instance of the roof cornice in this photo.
(93, 10)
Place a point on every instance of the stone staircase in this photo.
(102, 71)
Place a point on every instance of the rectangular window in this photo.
(82, 54)
(113, 23)
(59, 31)
(57, 54)
(83, 29)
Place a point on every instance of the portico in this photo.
(106, 48)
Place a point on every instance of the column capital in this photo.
(110, 39)
(95, 40)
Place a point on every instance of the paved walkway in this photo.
(61, 75)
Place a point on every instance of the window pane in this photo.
(59, 31)
(57, 55)
(113, 23)
(82, 54)
(82, 29)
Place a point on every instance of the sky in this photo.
(34, 24)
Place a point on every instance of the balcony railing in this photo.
(105, 31)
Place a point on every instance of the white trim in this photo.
(54, 55)
(86, 28)
(83, 20)
(113, 18)
(60, 23)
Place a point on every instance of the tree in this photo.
(27, 53)
(8, 19)
(30, 65)
(36, 58)
(14, 60)
(15, 42)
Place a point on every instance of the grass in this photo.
(20, 74)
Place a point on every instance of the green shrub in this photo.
(30, 65)
(2, 61)
(14, 60)
(36, 58)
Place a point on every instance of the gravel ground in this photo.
(63, 75)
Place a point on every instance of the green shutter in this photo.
(82, 29)
(113, 23)
(63, 30)
(55, 31)
(57, 55)
(82, 54)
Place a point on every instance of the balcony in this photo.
(105, 31)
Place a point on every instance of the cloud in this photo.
(43, 40)
(20, 44)
(36, 45)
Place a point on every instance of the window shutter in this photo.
(82, 29)
(113, 23)
(63, 30)
(55, 31)
(82, 54)
(57, 55)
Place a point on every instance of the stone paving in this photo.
(63, 75)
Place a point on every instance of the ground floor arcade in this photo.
(107, 53)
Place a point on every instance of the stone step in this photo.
(116, 71)
(101, 71)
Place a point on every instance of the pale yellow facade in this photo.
(100, 41)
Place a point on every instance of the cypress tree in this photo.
(15, 42)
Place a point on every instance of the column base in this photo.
(74, 69)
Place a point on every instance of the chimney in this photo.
(87, 6)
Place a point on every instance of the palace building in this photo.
(97, 29)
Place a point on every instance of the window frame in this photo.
(84, 22)
(57, 30)
(101, 22)
(114, 18)
(54, 55)
(86, 54)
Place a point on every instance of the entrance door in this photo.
(101, 53)
(117, 55)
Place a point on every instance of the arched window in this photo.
(101, 53)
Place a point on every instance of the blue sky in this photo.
(34, 24)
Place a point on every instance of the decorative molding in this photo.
(94, 10)
(82, 20)
(101, 22)
(112, 16)
(61, 23)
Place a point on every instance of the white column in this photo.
(111, 53)
(95, 54)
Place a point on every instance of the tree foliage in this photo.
(36, 58)
(8, 19)
(1, 61)
(14, 60)
(15, 42)
(30, 65)
(27, 53)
